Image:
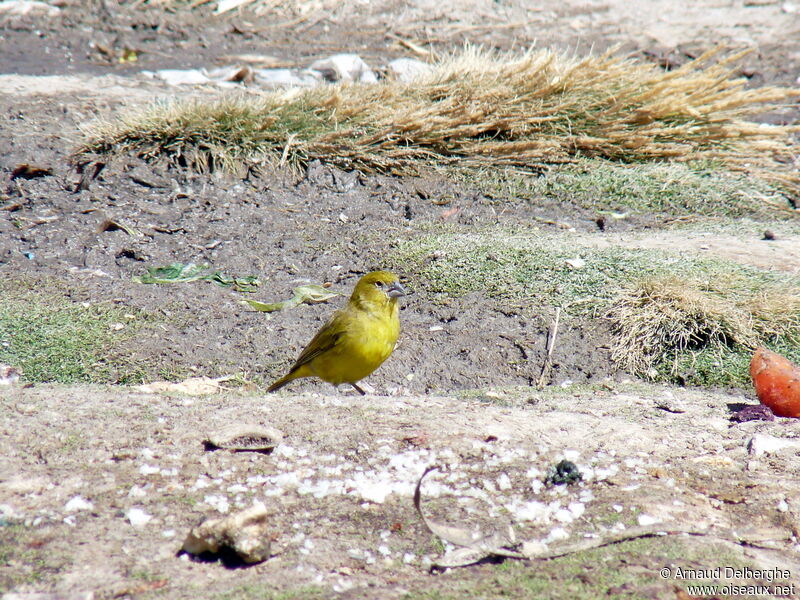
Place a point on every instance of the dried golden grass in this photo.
(658, 320)
(481, 109)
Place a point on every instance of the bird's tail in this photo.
(280, 383)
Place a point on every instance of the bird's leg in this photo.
(358, 389)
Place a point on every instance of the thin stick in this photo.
(548, 361)
(410, 45)
(285, 154)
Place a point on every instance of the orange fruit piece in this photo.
(777, 382)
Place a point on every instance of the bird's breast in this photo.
(362, 348)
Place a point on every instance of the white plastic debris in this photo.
(767, 444)
(376, 491)
(220, 503)
(563, 516)
(504, 482)
(530, 511)
(576, 509)
(644, 520)
(226, 5)
(181, 76)
(138, 517)
(575, 263)
(556, 535)
(78, 503)
(284, 78)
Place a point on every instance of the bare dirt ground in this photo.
(118, 449)
(338, 490)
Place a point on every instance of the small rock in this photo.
(245, 533)
(344, 67)
(753, 412)
(768, 235)
(767, 444)
(408, 69)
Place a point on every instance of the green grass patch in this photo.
(24, 557)
(716, 365)
(675, 317)
(743, 227)
(532, 267)
(604, 186)
(54, 339)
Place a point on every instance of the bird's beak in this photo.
(395, 290)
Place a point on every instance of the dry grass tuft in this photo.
(658, 321)
(480, 109)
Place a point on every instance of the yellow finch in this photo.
(357, 338)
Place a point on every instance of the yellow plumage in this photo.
(357, 338)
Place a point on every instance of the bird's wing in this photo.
(322, 342)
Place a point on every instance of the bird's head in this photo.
(377, 289)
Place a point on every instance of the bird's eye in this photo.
(379, 284)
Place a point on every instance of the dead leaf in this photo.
(304, 294)
(244, 438)
(474, 545)
(26, 171)
(113, 225)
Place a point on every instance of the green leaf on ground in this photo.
(184, 273)
(304, 294)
